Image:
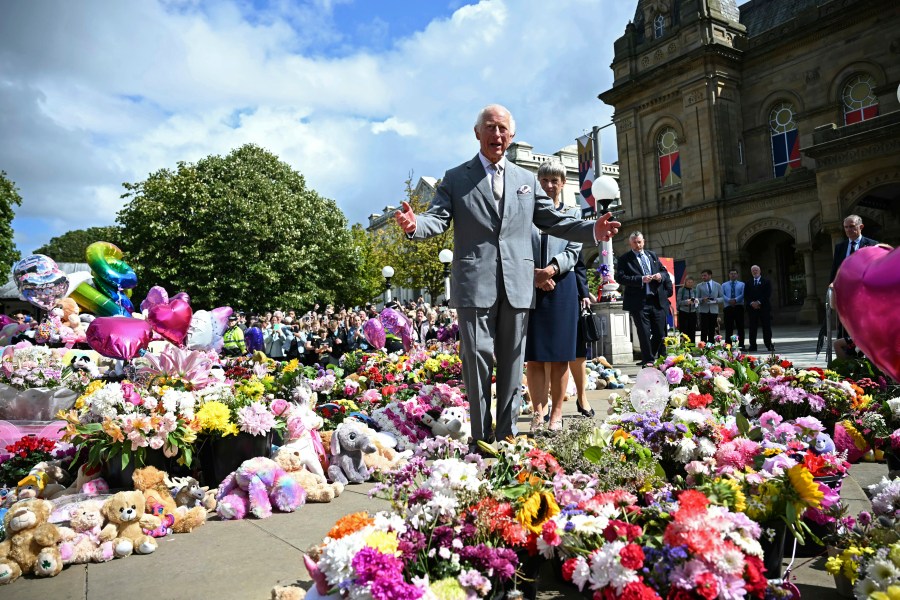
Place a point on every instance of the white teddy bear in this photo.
(453, 422)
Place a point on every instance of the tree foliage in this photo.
(415, 263)
(9, 198)
(365, 282)
(70, 246)
(241, 230)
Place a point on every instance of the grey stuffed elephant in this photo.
(348, 443)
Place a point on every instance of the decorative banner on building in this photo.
(669, 264)
(586, 172)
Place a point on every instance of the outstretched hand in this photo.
(605, 229)
(406, 218)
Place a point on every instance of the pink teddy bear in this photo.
(80, 543)
(258, 485)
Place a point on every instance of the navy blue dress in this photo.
(553, 322)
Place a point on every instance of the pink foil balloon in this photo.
(374, 332)
(156, 295)
(118, 337)
(171, 320)
(865, 294)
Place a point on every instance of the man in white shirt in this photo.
(733, 294)
(709, 293)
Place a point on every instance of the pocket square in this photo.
(525, 189)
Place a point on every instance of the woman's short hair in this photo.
(552, 168)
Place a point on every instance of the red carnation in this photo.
(755, 578)
(632, 557)
(638, 591)
(707, 586)
(568, 568)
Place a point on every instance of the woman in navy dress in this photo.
(553, 322)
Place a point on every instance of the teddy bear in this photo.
(127, 519)
(153, 484)
(88, 482)
(31, 541)
(53, 475)
(453, 422)
(317, 487)
(80, 542)
(256, 486)
(348, 444)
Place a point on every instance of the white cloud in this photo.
(100, 93)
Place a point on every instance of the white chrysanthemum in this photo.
(607, 570)
(684, 451)
(449, 475)
(388, 521)
(689, 416)
(746, 544)
(150, 402)
(589, 525)
(883, 573)
(106, 401)
(581, 574)
(338, 554)
(894, 405)
(444, 504)
(864, 588)
(731, 560)
(706, 447)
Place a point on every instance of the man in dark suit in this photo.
(647, 289)
(853, 227)
(493, 204)
(758, 298)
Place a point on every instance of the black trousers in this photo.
(708, 323)
(757, 317)
(687, 324)
(734, 319)
(650, 323)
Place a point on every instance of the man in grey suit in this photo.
(493, 204)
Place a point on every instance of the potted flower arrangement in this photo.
(236, 422)
(119, 425)
(23, 455)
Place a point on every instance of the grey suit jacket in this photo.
(489, 247)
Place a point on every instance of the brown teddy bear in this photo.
(127, 522)
(81, 540)
(317, 487)
(30, 546)
(152, 483)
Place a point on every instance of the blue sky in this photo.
(354, 94)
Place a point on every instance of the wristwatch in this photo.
(555, 268)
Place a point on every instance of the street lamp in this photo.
(387, 272)
(605, 190)
(446, 257)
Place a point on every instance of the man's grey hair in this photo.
(552, 168)
(855, 219)
(635, 235)
(481, 115)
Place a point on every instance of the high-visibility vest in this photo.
(234, 341)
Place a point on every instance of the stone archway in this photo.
(775, 251)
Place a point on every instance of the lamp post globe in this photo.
(387, 272)
(446, 257)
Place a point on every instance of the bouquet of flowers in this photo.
(23, 455)
(123, 420)
(25, 366)
(225, 410)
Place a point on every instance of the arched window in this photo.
(669, 161)
(860, 101)
(785, 139)
(659, 26)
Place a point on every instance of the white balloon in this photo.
(201, 333)
(77, 278)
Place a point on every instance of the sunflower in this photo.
(536, 510)
(805, 486)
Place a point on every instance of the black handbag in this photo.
(590, 326)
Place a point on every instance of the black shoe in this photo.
(585, 412)
(770, 348)
(547, 417)
(639, 363)
(752, 348)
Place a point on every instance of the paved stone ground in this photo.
(245, 559)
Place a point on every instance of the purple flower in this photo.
(674, 375)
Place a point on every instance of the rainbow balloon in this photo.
(110, 294)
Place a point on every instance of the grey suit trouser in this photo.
(485, 332)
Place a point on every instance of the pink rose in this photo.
(131, 395)
(279, 406)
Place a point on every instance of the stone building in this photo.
(746, 134)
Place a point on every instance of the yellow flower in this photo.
(189, 436)
(537, 509)
(291, 366)
(432, 365)
(805, 486)
(858, 440)
(383, 541)
(214, 416)
(738, 499)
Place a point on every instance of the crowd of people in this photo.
(323, 335)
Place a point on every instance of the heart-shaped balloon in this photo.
(650, 392)
(118, 337)
(156, 295)
(374, 332)
(865, 294)
(171, 320)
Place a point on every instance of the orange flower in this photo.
(350, 524)
(111, 429)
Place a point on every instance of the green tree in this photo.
(70, 246)
(9, 198)
(241, 230)
(415, 263)
(364, 269)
